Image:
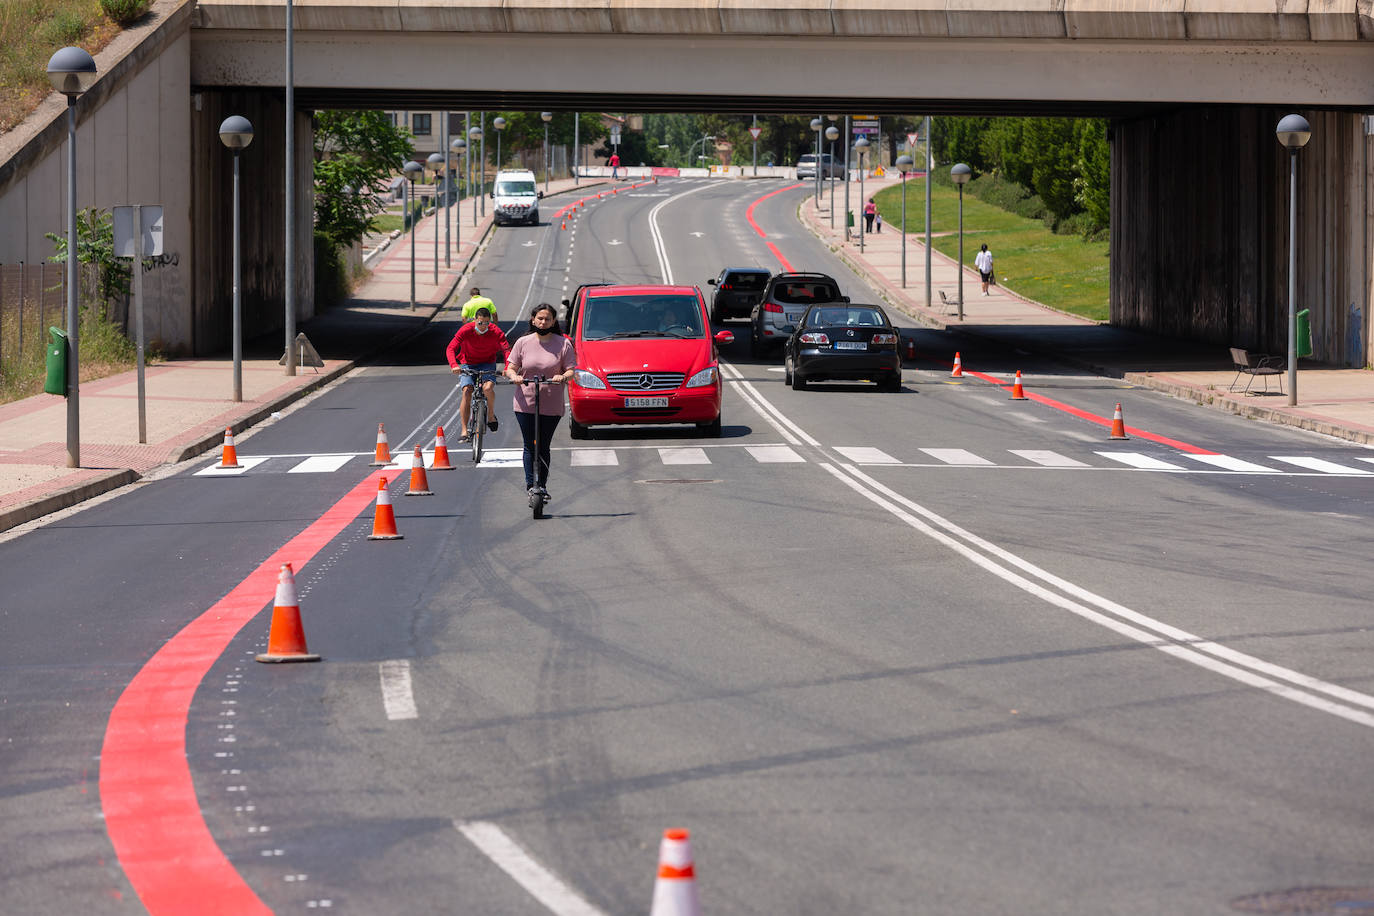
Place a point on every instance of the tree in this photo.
(1094, 167)
(95, 245)
(356, 154)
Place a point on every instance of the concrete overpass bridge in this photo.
(1194, 88)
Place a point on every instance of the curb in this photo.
(65, 499)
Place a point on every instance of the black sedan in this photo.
(844, 341)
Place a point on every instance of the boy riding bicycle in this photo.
(482, 348)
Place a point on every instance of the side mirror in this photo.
(724, 337)
(567, 302)
(712, 281)
(541, 195)
(844, 298)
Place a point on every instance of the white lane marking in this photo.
(659, 247)
(397, 697)
(790, 431)
(1137, 460)
(955, 456)
(1227, 463)
(1047, 459)
(501, 458)
(594, 457)
(321, 464)
(1187, 646)
(683, 456)
(215, 470)
(865, 455)
(773, 454)
(1312, 464)
(541, 884)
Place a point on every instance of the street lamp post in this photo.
(412, 170)
(817, 127)
(435, 163)
(861, 147)
(1293, 132)
(500, 124)
(448, 198)
(546, 117)
(71, 72)
(459, 146)
(832, 133)
(236, 133)
(904, 163)
(475, 135)
(930, 167)
(960, 175)
(702, 141)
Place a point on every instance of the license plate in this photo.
(793, 317)
(646, 402)
(851, 345)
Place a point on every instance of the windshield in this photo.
(746, 281)
(515, 189)
(845, 317)
(805, 292)
(808, 159)
(607, 317)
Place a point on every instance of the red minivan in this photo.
(645, 354)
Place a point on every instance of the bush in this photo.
(125, 11)
(331, 276)
(64, 27)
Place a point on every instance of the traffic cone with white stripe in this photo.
(419, 481)
(1118, 424)
(383, 453)
(958, 367)
(229, 457)
(910, 348)
(286, 638)
(675, 891)
(384, 521)
(1016, 393)
(565, 222)
(440, 462)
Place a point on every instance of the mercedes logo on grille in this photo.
(646, 381)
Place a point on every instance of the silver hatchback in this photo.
(785, 299)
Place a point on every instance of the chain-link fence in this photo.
(32, 297)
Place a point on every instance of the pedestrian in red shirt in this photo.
(482, 347)
(615, 165)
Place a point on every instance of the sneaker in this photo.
(493, 424)
(545, 494)
(465, 437)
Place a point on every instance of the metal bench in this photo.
(1256, 364)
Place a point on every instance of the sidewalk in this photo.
(188, 403)
(1337, 402)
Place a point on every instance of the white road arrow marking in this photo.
(615, 242)
(696, 234)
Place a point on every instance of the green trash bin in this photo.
(1304, 332)
(56, 382)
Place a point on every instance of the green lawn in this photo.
(387, 222)
(1061, 271)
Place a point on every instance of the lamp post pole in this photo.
(459, 146)
(1293, 132)
(848, 139)
(961, 174)
(546, 117)
(71, 71)
(289, 246)
(577, 143)
(475, 138)
(832, 133)
(904, 163)
(482, 159)
(861, 147)
(412, 171)
(448, 198)
(930, 165)
(817, 127)
(236, 133)
(755, 135)
(435, 162)
(500, 124)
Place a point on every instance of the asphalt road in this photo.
(928, 651)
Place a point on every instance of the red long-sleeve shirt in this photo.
(472, 349)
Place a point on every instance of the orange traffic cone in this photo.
(229, 458)
(440, 462)
(383, 454)
(675, 891)
(384, 522)
(565, 223)
(910, 348)
(1016, 393)
(1118, 424)
(958, 367)
(286, 638)
(615, 190)
(419, 481)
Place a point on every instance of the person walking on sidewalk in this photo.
(870, 212)
(475, 302)
(615, 166)
(984, 264)
(544, 352)
(478, 345)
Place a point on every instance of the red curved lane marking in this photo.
(1092, 417)
(786, 265)
(146, 792)
(573, 206)
(749, 213)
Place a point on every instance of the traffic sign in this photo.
(124, 232)
(755, 131)
(911, 140)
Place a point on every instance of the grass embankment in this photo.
(30, 31)
(103, 351)
(1061, 271)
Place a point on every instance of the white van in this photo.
(516, 197)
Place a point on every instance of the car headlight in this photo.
(588, 380)
(703, 378)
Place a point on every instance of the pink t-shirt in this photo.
(548, 357)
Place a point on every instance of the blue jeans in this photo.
(547, 425)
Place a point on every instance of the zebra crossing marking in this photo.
(957, 456)
(1312, 464)
(1227, 463)
(1137, 460)
(773, 454)
(594, 457)
(321, 464)
(246, 465)
(683, 456)
(1048, 459)
(862, 455)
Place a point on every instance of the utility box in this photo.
(1304, 332)
(56, 381)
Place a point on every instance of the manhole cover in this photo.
(1343, 900)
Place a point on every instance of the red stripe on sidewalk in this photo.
(146, 792)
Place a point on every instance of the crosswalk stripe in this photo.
(594, 457)
(502, 458)
(683, 456)
(215, 470)
(1137, 460)
(773, 454)
(404, 460)
(1048, 459)
(321, 464)
(861, 455)
(1318, 464)
(1227, 463)
(955, 456)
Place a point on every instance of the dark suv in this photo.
(737, 289)
(784, 299)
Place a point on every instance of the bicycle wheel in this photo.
(478, 427)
